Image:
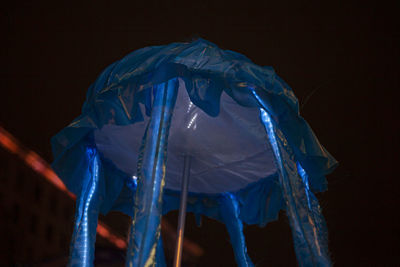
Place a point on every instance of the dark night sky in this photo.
(341, 59)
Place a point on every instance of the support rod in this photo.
(182, 212)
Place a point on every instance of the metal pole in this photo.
(182, 212)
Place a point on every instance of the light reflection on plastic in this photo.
(304, 177)
(132, 183)
(192, 120)
(189, 107)
(39, 165)
(266, 119)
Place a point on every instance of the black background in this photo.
(340, 58)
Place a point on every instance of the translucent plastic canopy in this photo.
(229, 151)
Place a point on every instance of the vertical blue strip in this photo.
(229, 210)
(86, 215)
(160, 257)
(145, 230)
(306, 220)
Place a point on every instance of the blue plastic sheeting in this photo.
(253, 154)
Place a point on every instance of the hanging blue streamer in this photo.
(229, 209)
(145, 231)
(86, 215)
(309, 237)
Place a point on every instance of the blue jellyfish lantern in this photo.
(190, 126)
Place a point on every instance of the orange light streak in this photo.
(8, 142)
(39, 165)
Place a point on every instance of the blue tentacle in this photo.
(86, 214)
(302, 207)
(145, 229)
(229, 210)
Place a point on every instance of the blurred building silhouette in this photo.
(37, 218)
